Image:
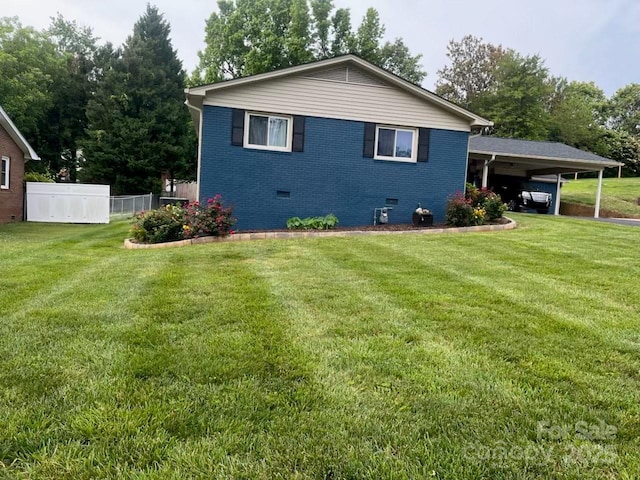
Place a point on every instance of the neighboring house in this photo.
(335, 136)
(14, 152)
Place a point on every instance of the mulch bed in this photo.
(388, 226)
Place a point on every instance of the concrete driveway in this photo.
(633, 222)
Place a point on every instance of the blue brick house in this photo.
(337, 136)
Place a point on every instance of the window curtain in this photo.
(258, 130)
(278, 132)
(386, 140)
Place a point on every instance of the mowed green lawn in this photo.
(618, 194)
(498, 355)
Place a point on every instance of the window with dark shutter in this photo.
(369, 140)
(264, 131)
(237, 127)
(298, 134)
(395, 143)
(423, 144)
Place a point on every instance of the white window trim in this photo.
(5, 185)
(286, 148)
(414, 146)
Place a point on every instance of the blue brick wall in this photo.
(330, 176)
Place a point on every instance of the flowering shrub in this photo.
(459, 211)
(212, 219)
(494, 207)
(479, 214)
(478, 196)
(175, 222)
(475, 207)
(161, 225)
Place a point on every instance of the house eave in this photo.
(473, 119)
(14, 133)
(596, 164)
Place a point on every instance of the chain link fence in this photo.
(129, 205)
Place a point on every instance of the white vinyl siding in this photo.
(299, 95)
(268, 132)
(5, 166)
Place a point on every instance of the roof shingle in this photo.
(525, 148)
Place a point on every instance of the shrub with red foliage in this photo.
(212, 219)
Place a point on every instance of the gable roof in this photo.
(14, 133)
(513, 147)
(474, 120)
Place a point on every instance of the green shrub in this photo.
(156, 226)
(478, 196)
(486, 199)
(176, 222)
(313, 223)
(471, 193)
(459, 211)
(37, 177)
(495, 207)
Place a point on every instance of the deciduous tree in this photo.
(472, 72)
(248, 37)
(31, 68)
(625, 109)
(577, 114)
(77, 45)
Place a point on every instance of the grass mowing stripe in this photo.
(382, 330)
(573, 404)
(325, 358)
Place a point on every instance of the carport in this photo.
(528, 158)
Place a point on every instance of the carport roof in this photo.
(540, 157)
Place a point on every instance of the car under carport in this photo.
(492, 158)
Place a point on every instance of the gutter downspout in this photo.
(200, 113)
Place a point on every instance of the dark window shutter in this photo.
(237, 127)
(423, 144)
(369, 140)
(298, 134)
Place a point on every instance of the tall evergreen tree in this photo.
(138, 125)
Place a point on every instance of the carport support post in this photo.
(485, 171)
(596, 212)
(556, 208)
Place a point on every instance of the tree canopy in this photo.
(246, 37)
(519, 94)
(138, 125)
(625, 109)
(32, 72)
(122, 108)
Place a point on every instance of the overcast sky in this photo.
(587, 40)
